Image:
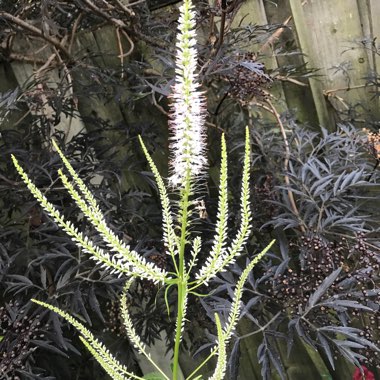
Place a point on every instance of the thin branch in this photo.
(332, 91)
(129, 52)
(124, 27)
(124, 8)
(70, 89)
(160, 108)
(22, 118)
(261, 328)
(75, 27)
(121, 55)
(222, 26)
(275, 36)
(45, 66)
(291, 80)
(220, 129)
(104, 15)
(136, 3)
(286, 164)
(24, 25)
(25, 58)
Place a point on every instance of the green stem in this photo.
(213, 352)
(182, 277)
(180, 314)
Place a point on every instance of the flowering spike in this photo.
(110, 364)
(234, 313)
(131, 331)
(188, 144)
(122, 251)
(217, 253)
(170, 239)
(221, 363)
(222, 256)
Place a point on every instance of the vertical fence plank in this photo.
(252, 12)
(373, 29)
(330, 36)
(373, 15)
(298, 98)
(368, 11)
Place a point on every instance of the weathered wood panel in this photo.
(327, 35)
(335, 38)
(253, 13)
(297, 97)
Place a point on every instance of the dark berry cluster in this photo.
(294, 286)
(17, 332)
(114, 320)
(371, 332)
(358, 281)
(248, 79)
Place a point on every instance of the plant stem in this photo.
(182, 277)
(181, 289)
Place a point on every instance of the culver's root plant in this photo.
(188, 167)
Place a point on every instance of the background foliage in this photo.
(96, 74)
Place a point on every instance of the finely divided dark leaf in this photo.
(58, 330)
(233, 361)
(321, 290)
(326, 348)
(47, 346)
(319, 186)
(337, 303)
(94, 303)
(351, 179)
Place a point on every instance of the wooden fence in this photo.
(340, 39)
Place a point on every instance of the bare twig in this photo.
(45, 66)
(212, 125)
(38, 32)
(329, 92)
(160, 108)
(25, 58)
(291, 80)
(275, 36)
(261, 328)
(125, 34)
(222, 25)
(21, 118)
(73, 31)
(124, 8)
(124, 27)
(104, 15)
(136, 3)
(70, 89)
(122, 55)
(286, 163)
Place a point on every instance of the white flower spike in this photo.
(188, 141)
